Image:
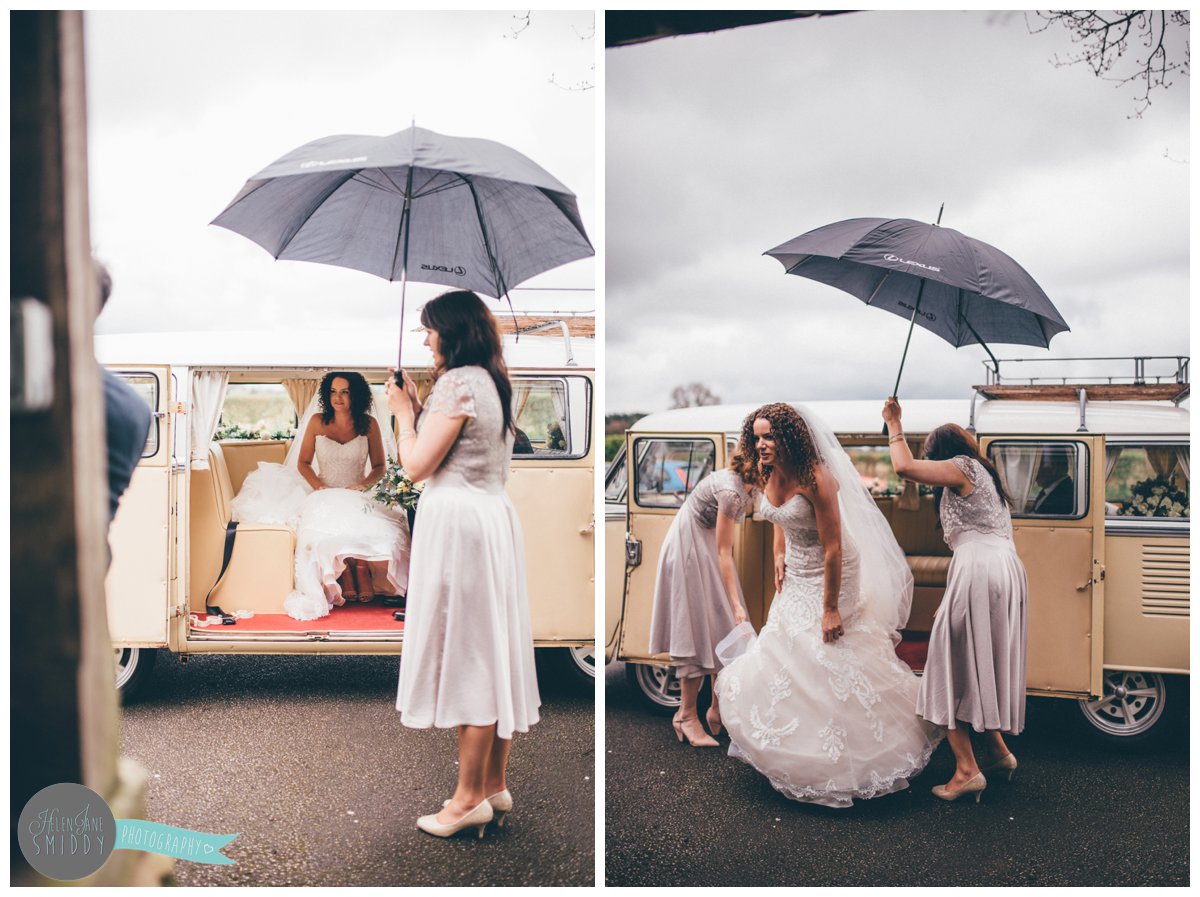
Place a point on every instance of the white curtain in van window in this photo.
(1181, 458)
(208, 395)
(1017, 467)
(1111, 454)
(301, 393)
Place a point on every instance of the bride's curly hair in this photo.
(794, 446)
(360, 399)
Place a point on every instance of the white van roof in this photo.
(284, 349)
(923, 415)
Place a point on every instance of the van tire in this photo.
(579, 663)
(133, 669)
(655, 684)
(1138, 710)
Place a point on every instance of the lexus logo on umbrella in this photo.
(458, 270)
(895, 258)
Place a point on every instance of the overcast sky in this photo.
(719, 147)
(184, 107)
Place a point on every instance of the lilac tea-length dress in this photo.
(691, 611)
(975, 671)
(468, 641)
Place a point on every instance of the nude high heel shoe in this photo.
(476, 818)
(974, 786)
(713, 716)
(1006, 764)
(701, 740)
(502, 804)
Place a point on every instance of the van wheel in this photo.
(1133, 711)
(580, 662)
(133, 668)
(656, 684)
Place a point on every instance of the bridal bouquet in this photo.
(396, 490)
(1157, 497)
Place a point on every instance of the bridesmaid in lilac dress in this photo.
(975, 672)
(697, 595)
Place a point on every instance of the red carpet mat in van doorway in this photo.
(913, 649)
(348, 618)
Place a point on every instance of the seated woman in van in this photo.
(347, 544)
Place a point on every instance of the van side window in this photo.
(256, 411)
(1147, 481)
(551, 415)
(669, 469)
(1043, 479)
(146, 386)
(616, 478)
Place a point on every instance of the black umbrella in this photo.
(416, 205)
(962, 289)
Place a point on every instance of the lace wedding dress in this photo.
(331, 524)
(337, 523)
(825, 722)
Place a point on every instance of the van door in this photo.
(1056, 485)
(139, 580)
(616, 516)
(665, 469)
(553, 488)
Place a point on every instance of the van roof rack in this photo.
(1139, 386)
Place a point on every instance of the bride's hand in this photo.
(780, 570)
(831, 626)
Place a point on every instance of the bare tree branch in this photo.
(1105, 37)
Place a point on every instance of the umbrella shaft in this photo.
(911, 324)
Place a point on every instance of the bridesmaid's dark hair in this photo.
(360, 399)
(792, 437)
(949, 441)
(467, 335)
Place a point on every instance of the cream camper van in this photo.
(1109, 575)
(168, 537)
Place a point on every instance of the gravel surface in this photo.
(1077, 814)
(305, 757)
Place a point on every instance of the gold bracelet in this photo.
(899, 437)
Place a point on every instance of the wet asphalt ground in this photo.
(305, 757)
(1077, 814)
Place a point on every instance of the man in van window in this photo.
(126, 419)
(1058, 489)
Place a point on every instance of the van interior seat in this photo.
(926, 551)
(261, 570)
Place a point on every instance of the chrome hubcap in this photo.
(1132, 703)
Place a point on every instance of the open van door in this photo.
(1057, 488)
(141, 576)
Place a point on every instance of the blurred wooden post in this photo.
(64, 718)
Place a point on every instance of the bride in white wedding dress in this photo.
(348, 546)
(819, 703)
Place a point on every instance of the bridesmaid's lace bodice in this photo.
(722, 491)
(480, 455)
(982, 511)
(341, 465)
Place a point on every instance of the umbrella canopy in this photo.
(462, 212)
(962, 289)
